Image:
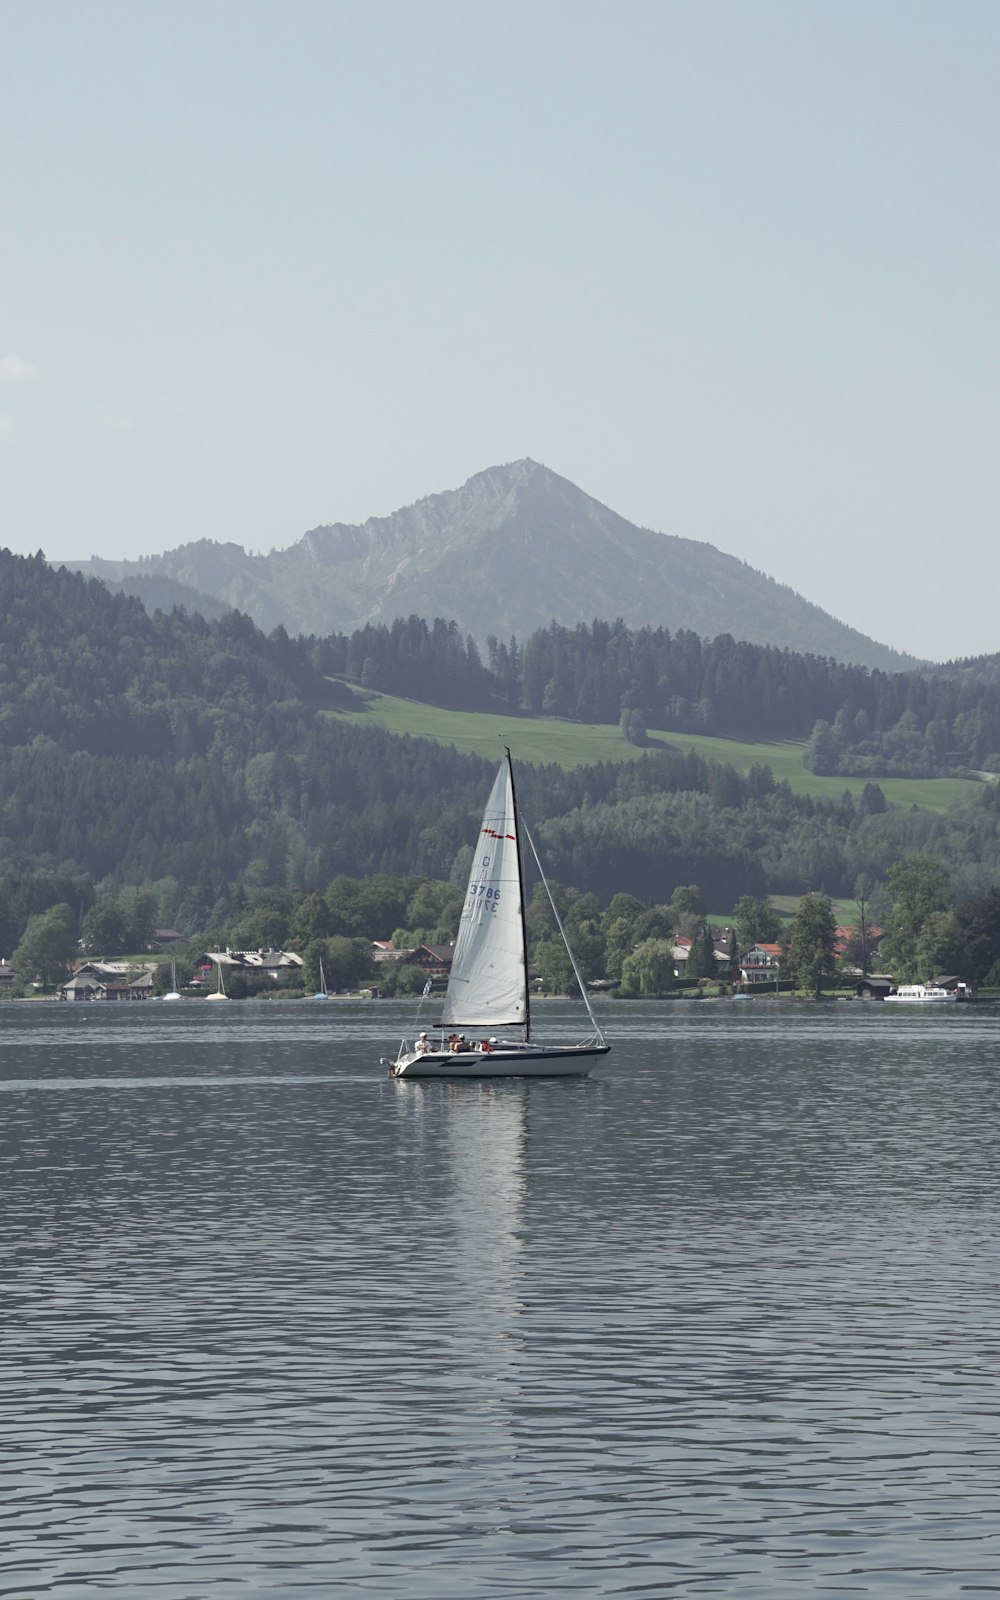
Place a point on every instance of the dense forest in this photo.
(859, 722)
(204, 761)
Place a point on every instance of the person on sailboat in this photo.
(423, 1045)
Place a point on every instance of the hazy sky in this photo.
(731, 268)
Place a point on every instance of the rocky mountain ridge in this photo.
(513, 548)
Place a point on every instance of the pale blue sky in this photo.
(731, 268)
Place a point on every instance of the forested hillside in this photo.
(198, 758)
(861, 722)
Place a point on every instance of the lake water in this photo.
(722, 1319)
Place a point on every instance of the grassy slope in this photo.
(571, 744)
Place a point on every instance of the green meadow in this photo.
(572, 744)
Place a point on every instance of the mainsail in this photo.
(488, 983)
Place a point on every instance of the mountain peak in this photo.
(514, 547)
(502, 480)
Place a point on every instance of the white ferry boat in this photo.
(922, 994)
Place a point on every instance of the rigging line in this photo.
(562, 930)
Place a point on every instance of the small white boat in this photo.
(487, 995)
(921, 994)
(175, 993)
(321, 993)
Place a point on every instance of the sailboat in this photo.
(488, 984)
(175, 993)
(321, 993)
(220, 992)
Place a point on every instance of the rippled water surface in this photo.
(722, 1319)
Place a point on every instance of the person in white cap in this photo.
(423, 1045)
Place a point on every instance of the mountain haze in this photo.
(513, 548)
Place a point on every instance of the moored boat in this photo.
(921, 994)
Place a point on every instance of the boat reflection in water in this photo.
(474, 1137)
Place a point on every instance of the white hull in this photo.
(525, 1061)
(917, 994)
(921, 999)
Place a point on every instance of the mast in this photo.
(520, 890)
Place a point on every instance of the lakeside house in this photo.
(436, 959)
(109, 980)
(761, 964)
